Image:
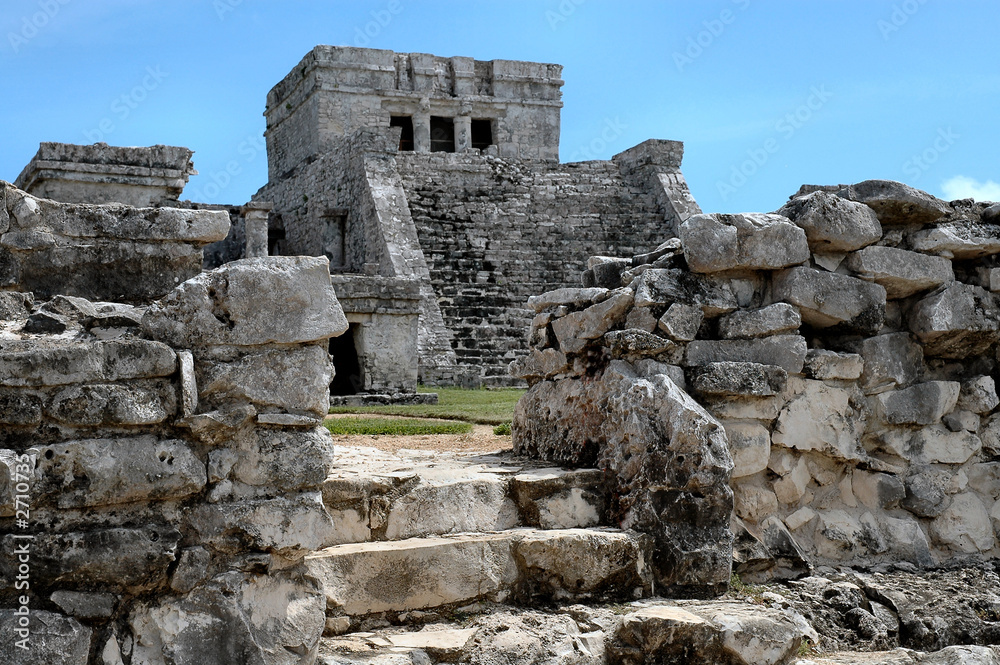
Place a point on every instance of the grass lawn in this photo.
(394, 426)
(484, 407)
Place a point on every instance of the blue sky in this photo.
(766, 95)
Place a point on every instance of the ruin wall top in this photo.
(334, 91)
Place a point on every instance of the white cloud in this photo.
(964, 187)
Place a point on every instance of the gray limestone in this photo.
(754, 241)
(896, 204)
(902, 273)
(832, 223)
(957, 322)
(785, 351)
(827, 299)
(776, 319)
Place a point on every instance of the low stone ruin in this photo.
(160, 459)
(815, 385)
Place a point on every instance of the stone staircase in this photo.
(420, 534)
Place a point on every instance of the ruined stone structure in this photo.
(445, 171)
(844, 347)
(162, 457)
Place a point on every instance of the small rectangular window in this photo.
(406, 137)
(482, 133)
(442, 134)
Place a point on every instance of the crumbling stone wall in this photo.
(102, 252)
(168, 459)
(847, 346)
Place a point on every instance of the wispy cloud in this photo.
(964, 187)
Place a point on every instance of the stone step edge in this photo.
(523, 566)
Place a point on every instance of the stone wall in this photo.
(846, 345)
(101, 252)
(167, 461)
(100, 173)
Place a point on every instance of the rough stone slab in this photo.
(540, 364)
(633, 344)
(575, 329)
(822, 365)
(273, 300)
(84, 605)
(821, 418)
(189, 383)
(667, 286)
(922, 404)
(425, 573)
(833, 224)
(958, 240)
(62, 362)
(567, 296)
(108, 558)
(776, 319)
(114, 404)
(289, 526)
(827, 299)
(15, 305)
(723, 632)
(556, 498)
(750, 446)
(53, 639)
(957, 322)
(785, 351)
(750, 241)
(964, 526)
(741, 379)
(979, 395)
(902, 273)
(681, 322)
(892, 360)
(937, 445)
(118, 471)
(896, 204)
(294, 380)
(429, 508)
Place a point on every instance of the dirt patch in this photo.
(481, 439)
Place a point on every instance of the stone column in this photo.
(463, 133)
(255, 228)
(422, 127)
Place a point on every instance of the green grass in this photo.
(484, 407)
(394, 426)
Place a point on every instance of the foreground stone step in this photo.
(373, 495)
(523, 566)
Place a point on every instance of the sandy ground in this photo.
(481, 439)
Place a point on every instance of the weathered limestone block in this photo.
(964, 526)
(828, 299)
(577, 328)
(540, 364)
(896, 204)
(484, 501)
(957, 322)
(922, 404)
(728, 633)
(890, 361)
(634, 345)
(821, 418)
(85, 605)
(958, 240)
(739, 379)
(754, 503)
(103, 472)
(274, 619)
(561, 421)
(52, 639)
(681, 322)
(557, 498)
(776, 319)
(937, 445)
(667, 286)
(902, 273)
(277, 462)
(61, 362)
(750, 447)
(583, 564)
(642, 318)
(114, 404)
(752, 241)
(568, 296)
(290, 526)
(108, 558)
(979, 395)
(273, 300)
(877, 491)
(785, 351)
(15, 305)
(832, 223)
(294, 380)
(824, 365)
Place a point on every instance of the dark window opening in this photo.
(335, 240)
(347, 368)
(406, 138)
(442, 134)
(274, 241)
(482, 134)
